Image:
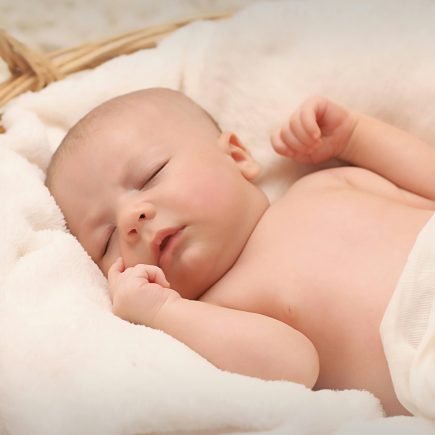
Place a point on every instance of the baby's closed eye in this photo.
(106, 245)
(154, 174)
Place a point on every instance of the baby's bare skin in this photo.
(295, 290)
(339, 303)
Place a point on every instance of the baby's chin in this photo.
(193, 282)
(191, 288)
(198, 266)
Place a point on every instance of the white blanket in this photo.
(67, 365)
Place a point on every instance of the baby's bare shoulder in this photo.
(324, 184)
(324, 179)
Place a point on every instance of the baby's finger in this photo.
(308, 118)
(278, 144)
(289, 138)
(116, 268)
(113, 273)
(156, 275)
(299, 130)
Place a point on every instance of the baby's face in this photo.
(173, 195)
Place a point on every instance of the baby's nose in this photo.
(133, 217)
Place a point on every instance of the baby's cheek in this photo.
(213, 194)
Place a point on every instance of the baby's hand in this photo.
(138, 293)
(319, 130)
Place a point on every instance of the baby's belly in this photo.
(335, 269)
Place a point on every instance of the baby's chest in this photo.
(306, 262)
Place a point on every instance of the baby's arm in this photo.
(320, 130)
(238, 341)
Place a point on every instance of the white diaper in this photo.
(408, 328)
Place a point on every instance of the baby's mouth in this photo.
(162, 241)
(165, 241)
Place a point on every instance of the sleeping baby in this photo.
(316, 288)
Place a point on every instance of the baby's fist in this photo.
(138, 293)
(319, 130)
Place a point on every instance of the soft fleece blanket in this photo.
(67, 365)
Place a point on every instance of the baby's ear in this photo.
(231, 145)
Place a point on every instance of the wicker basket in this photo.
(33, 70)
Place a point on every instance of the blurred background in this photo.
(51, 24)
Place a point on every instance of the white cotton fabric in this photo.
(67, 365)
(408, 328)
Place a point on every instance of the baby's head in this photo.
(149, 176)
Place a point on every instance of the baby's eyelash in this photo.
(156, 172)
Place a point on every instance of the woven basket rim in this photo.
(32, 70)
